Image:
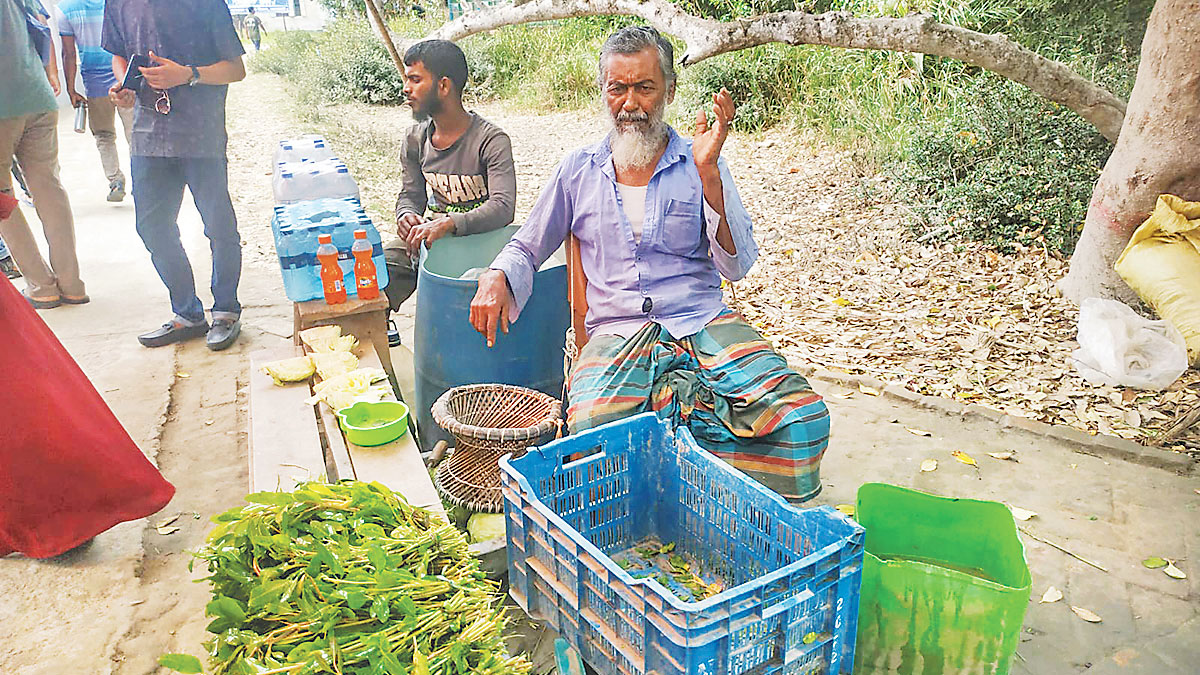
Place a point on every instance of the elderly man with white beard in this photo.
(659, 221)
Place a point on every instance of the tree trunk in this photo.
(384, 35)
(1156, 153)
(918, 33)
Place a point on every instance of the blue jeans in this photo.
(158, 184)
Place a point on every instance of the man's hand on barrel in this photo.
(490, 307)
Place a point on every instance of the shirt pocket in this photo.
(682, 226)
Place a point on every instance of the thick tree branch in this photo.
(915, 33)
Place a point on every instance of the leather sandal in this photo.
(43, 304)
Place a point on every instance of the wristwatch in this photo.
(195, 76)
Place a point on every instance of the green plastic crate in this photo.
(945, 584)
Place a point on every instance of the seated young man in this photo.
(464, 159)
(659, 222)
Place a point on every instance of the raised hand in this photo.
(709, 137)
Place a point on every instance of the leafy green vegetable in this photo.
(346, 578)
(181, 663)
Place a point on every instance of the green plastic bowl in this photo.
(368, 424)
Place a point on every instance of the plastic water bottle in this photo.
(312, 148)
(305, 180)
(331, 271)
(364, 268)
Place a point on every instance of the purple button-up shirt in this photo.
(672, 276)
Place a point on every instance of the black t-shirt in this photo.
(190, 32)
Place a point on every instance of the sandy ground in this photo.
(116, 605)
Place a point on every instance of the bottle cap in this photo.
(360, 234)
(324, 238)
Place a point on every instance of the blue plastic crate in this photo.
(296, 227)
(792, 574)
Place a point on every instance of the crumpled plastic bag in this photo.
(295, 369)
(1162, 264)
(1119, 347)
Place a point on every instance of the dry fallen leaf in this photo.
(842, 302)
(170, 529)
(848, 394)
(183, 374)
(963, 457)
(1051, 596)
(869, 391)
(847, 509)
(1086, 614)
(167, 521)
(1001, 455)
(929, 465)
(1174, 572)
(918, 432)
(1020, 513)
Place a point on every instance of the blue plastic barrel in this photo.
(448, 352)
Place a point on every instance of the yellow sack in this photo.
(1162, 264)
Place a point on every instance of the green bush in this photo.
(350, 64)
(285, 52)
(1008, 167)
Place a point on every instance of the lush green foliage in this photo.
(345, 62)
(1009, 167)
(907, 112)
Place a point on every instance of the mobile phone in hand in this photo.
(133, 74)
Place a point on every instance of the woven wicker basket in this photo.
(488, 421)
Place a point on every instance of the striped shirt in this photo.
(83, 20)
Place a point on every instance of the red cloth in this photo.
(68, 469)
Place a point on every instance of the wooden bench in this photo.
(292, 440)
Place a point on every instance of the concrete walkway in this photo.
(115, 606)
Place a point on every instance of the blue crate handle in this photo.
(592, 454)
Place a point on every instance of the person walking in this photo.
(254, 28)
(29, 133)
(79, 23)
(193, 54)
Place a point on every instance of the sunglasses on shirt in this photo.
(163, 105)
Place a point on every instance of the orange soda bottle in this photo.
(365, 277)
(331, 271)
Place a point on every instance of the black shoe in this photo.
(9, 267)
(116, 191)
(224, 332)
(171, 332)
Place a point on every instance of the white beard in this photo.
(634, 145)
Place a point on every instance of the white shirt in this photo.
(633, 203)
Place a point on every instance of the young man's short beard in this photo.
(636, 139)
(433, 107)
